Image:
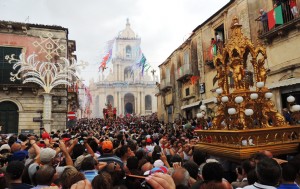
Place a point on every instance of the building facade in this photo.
(182, 93)
(21, 105)
(122, 86)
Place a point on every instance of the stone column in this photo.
(47, 110)
(136, 105)
(143, 102)
(122, 105)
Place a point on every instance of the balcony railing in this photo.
(184, 71)
(289, 22)
(210, 52)
(165, 84)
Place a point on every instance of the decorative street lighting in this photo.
(294, 109)
(45, 73)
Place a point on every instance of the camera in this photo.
(56, 145)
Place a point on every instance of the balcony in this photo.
(208, 57)
(210, 52)
(289, 23)
(165, 84)
(184, 72)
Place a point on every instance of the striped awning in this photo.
(208, 100)
(284, 83)
(197, 103)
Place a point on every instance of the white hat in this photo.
(47, 154)
(158, 163)
(5, 147)
(212, 161)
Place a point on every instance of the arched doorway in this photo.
(110, 100)
(129, 103)
(9, 117)
(148, 104)
(129, 108)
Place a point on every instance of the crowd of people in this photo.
(132, 152)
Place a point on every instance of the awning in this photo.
(208, 100)
(284, 83)
(197, 103)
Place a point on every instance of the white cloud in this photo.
(162, 24)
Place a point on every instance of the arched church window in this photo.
(128, 51)
(128, 73)
(110, 100)
(148, 102)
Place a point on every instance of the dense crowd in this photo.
(132, 152)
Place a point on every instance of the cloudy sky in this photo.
(162, 24)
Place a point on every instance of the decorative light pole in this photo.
(45, 73)
(294, 109)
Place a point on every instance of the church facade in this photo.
(121, 83)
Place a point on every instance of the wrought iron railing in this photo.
(185, 69)
(286, 15)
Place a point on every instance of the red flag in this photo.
(271, 19)
(194, 79)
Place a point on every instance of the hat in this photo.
(107, 145)
(45, 135)
(19, 155)
(5, 147)
(66, 139)
(47, 154)
(161, 169)
(79, 159)
(158, 163)
(149, 140)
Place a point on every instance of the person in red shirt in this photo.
(294, 8)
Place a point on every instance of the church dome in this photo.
(127, 33)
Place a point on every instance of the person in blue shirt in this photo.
(288, 177)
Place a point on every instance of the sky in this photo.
(163, 25)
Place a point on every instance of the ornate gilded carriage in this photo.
(109, 112)
(246, 120)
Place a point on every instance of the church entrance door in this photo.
(9, 117)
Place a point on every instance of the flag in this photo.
(275, 17)
(213, 51)
(108, 54)
(194, 79)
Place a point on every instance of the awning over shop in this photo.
(284, 83)
(197, 103)
(208, 100)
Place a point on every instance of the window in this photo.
(148, 102)
(110, 100)
(187, 91)
(168, 74)
(186, 58)
(128, 74)
(5, 67)
(128, 51)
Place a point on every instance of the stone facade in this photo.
(120, 84)
(283, 59)
(21, 105)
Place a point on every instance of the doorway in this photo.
(128, 108)
(9, 117)
(129, 103)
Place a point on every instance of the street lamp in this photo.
(201, 117)
(294, 109)
(46, 74)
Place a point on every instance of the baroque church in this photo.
(122, 84)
